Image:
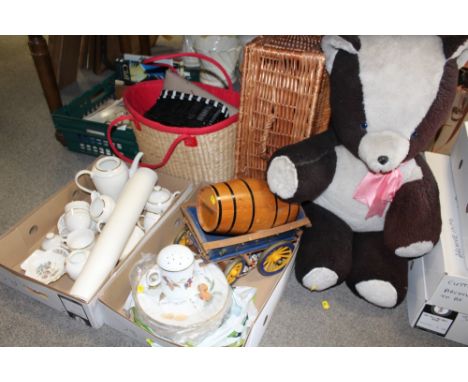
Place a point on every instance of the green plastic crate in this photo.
(89, 137)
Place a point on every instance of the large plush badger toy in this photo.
(364, 184)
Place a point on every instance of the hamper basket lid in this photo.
(297, 43)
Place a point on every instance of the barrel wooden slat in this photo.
(242, 206)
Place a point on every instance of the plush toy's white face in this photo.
(400, 78)
(386, 93)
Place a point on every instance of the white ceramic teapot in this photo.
(109, 174)
(160, 200)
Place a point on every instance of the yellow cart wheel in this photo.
(183, 238)
(233, 270)
(275, 258)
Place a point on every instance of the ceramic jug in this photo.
(109, 175)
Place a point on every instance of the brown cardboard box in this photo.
(116, 292)
(448, 133)
(26, 236)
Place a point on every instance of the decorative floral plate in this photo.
(44, 266)
(208, 297)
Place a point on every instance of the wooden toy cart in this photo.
(269, 250)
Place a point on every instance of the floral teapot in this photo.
(160, 200)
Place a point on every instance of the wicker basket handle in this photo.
(196, 55)
(189, 141)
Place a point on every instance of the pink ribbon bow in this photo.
(377, 190)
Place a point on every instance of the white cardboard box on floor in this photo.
(114, 295)
(438, 282)
(459, 163)
(26, 236)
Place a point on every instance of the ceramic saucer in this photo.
(44, 266)
(61, 251)
(195, 309)
(62, 227)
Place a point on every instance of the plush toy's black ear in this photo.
(456, 47)
(331, 45)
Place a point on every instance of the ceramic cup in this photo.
(77, 218)
(109, 176)
(147, 220)
(101, 207)
(173, 271)
(80, 239)
(75, 262)
(51, 241)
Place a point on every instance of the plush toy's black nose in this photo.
(382, 159)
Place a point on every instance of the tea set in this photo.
(180, 297)
(78, 227)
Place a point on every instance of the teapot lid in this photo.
(175, 257)
(159, 195)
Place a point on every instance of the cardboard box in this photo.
(113, 296)
(21, 240)
(450, 130)
(459, 164)
(438, 282)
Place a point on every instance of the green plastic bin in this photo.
(89, 137)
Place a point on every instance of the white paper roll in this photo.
(114, 236)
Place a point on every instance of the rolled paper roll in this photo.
(113, 238)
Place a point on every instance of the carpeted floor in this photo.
(34, 166)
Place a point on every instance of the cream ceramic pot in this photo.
(75, 262)
(160, 200)
(51, 241)
(173, 271)
(147, 220)
(109, 175)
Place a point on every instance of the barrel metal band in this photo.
(220, 207)
(253, 204)
(289, 212)
(276, 211)
(233, 197)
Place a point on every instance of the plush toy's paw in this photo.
(378, 292)
(282, 177)
(319, 279)
(416, 249)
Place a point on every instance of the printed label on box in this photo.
(436, 319)
(458, 250)
(452, 292)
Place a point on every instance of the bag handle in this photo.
(189, 141)
(196, 55)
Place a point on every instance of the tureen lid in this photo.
(159, 195)
(175, 257)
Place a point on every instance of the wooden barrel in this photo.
(242, 206)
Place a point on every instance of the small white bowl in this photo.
(80, 239)
(80, 204)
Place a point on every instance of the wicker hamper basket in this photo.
(284, 98)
